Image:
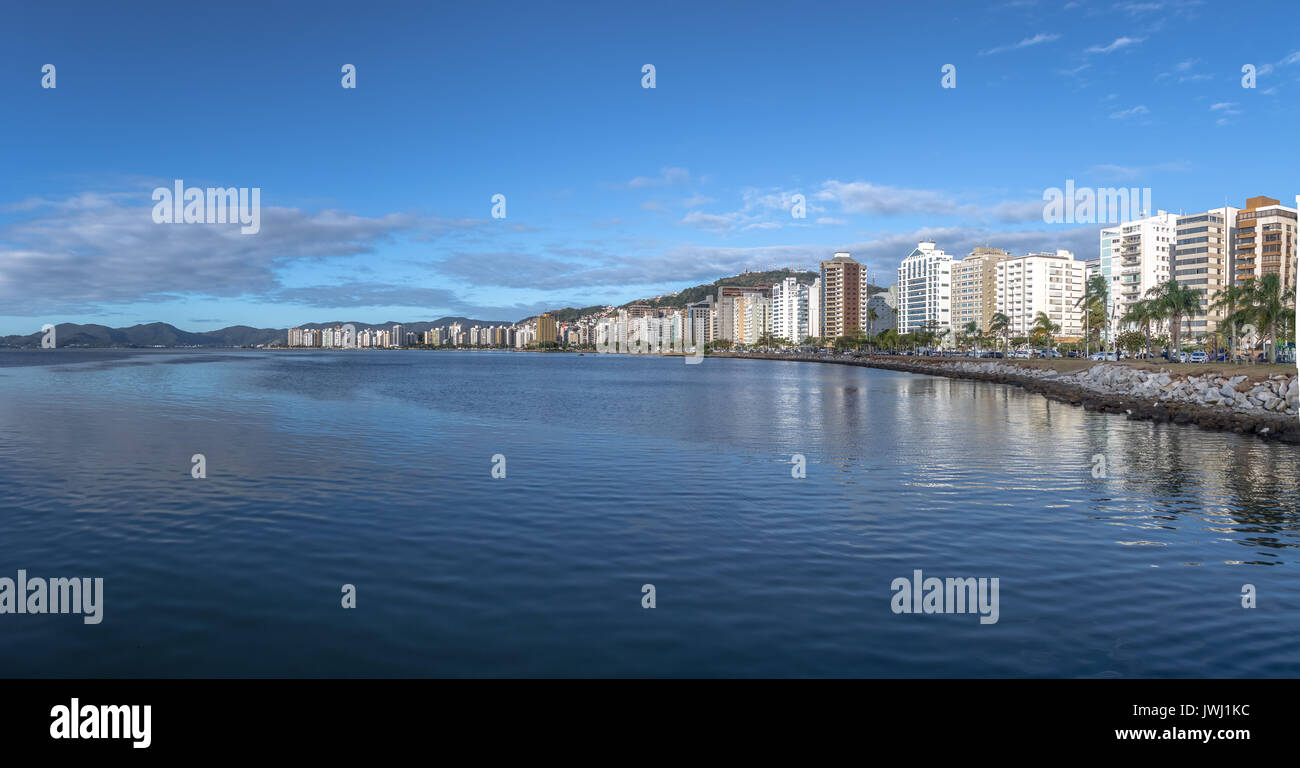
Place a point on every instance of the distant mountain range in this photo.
(165, 335)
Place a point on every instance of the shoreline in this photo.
(1157, 405)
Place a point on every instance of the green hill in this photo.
(699, 292)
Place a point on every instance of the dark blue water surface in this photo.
(375, 469)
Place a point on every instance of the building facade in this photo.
(1136, 256)
(1266, 241)
(925, 290)
(1204, 260)
(974, 287)
(843, 295)
(1051, 283)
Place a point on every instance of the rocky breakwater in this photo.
(1264, 406)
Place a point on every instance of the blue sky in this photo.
(376, 201)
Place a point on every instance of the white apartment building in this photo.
(785, 309)
(925, 290)
(755, 317)
(790, 310)
(1051, 283)
(1137, 256)
(700, 321)
(814, 309)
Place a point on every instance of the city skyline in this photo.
(376, 204)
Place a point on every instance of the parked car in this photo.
(1197, 357)
(1108, 355)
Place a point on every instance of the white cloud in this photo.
(874, 199)
(1113, 172)
(1120, 42)
(709, 221)
(666, 177)
(90, 251)
(1037, 39)
(1124, 114)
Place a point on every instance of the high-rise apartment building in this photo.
(843, 294)
(1137, 256)
(700, 319)
(815, 309)
(733, 310)
(790, 310)
(1204, 255)
(1051, 283)
(546, 329)
(755, 317)
(925, 290)
(1266, 241)
(974, 287)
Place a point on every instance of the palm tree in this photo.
(1140, 314)
(1231, 300)
(1174, 301)
(971, 329)
(1269, 306)
(1093, 302)
(872, 317)
(1000, 326)
(1043, 326)
(941, 335)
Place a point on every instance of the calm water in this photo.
(374, 469)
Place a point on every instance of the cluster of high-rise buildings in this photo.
(933, 292)
(788, 311)
(543, 330)
(1206, 251)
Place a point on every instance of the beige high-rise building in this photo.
(546, 328)
(974, 287)
(1266, 241)
(843, 294)
(732, 311)
(1203, 256)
